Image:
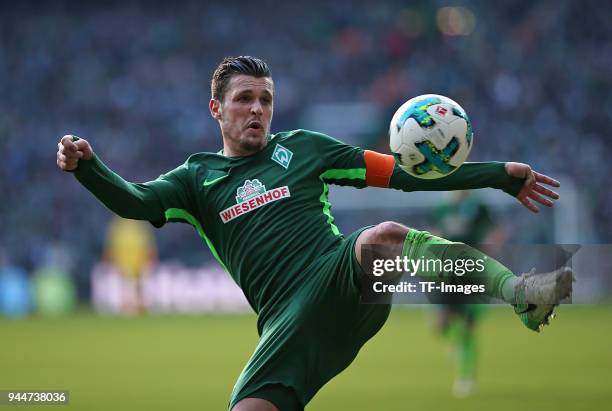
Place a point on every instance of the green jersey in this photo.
(266, 217)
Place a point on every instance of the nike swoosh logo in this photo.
(207, 183)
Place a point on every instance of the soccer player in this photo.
(261, 206)
(466, 219)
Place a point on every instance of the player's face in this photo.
(245, 114)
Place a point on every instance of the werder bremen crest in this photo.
(250, 189)
(282, 155)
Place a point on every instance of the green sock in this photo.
(466, 353)
(498, 280)
(508, 288)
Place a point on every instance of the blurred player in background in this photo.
(467, 219)
(130, 248)
(261, 206)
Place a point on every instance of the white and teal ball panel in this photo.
(431, 136)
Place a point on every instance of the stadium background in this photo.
(133, 78)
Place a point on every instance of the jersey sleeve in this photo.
(341, 164)
(382, 170)
(138, 201)
(469, 176)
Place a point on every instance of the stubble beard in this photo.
(250, 146)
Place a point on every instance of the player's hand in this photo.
(69, 152)
(533, 188)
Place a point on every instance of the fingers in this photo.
(69, 153)
(67, 143)
(531, 190)
(527, 192)
(529, 205)
(81, 144)
(68, 162)
(85, 148)
(546, 192)
(530, 179)
(541, 178)
(62, 157)
(536, 197)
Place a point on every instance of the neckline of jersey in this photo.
(251, 157)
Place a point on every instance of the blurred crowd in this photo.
(133, 78)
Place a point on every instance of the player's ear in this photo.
(215, 108)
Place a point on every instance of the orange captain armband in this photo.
(379, 168)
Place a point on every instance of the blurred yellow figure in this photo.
(131, 249)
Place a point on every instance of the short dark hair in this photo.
(231, 66)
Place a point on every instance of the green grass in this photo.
(191, 363)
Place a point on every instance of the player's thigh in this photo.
(254, 404)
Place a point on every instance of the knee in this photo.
(389, 232)
(254, 404)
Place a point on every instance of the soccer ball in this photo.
(431, 136)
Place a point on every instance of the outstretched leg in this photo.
(534, 296)
(418, 244)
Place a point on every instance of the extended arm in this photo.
(349, 165)
(128, 200)
(469, 176)
(139, 201)
(516, 179)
